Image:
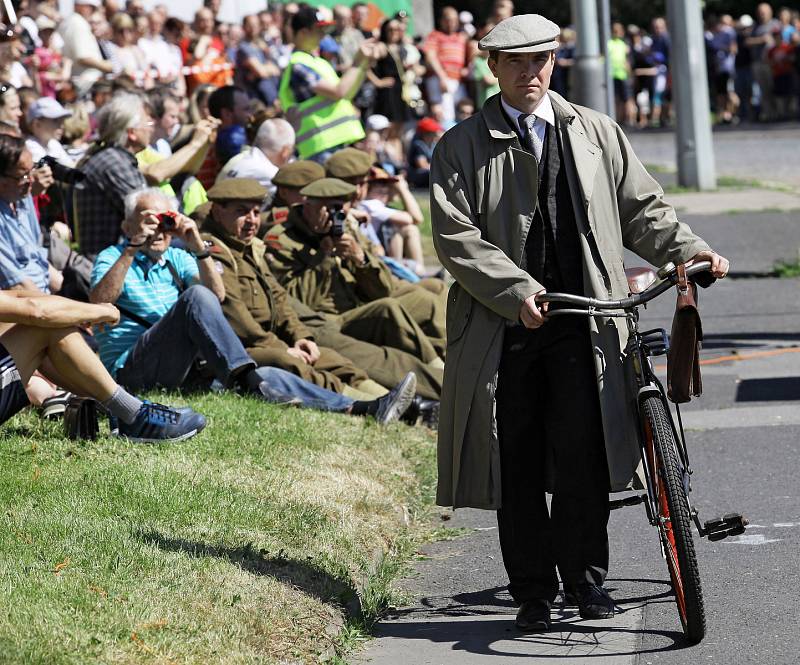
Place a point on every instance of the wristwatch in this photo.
(199, 256)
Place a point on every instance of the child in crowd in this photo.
(397, 229)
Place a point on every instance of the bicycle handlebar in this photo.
(630, 302)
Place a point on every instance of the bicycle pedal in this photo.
(732, 524)
(627, 501)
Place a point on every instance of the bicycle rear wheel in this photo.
(674, 521)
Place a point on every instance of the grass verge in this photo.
(788, 268)
(272, 537)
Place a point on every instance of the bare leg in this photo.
(413, 246)
(39, 389)
(395, 248)
(64, 357)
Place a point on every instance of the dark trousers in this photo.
(548, 413)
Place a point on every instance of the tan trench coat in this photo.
(483, 197)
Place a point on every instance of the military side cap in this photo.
(525, 33)
(348, 163)
(298, 174)
(329, 188)
(237, 189)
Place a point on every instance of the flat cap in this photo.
(237, 189)
(298, 174)
(329, 188)
(525, 33)
(348, 163)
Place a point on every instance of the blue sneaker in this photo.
(156, 422)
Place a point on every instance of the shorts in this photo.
(622, 90)
(12, 393)
(721, 83)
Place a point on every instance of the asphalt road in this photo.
(743, 440)
(761, 152)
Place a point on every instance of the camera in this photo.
(167, 221)
(337, 215)
(61, 173)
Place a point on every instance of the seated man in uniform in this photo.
(257, 306)
(323, 264)
(40, 332)
(172, 317)
(289, 180)
(263, 315)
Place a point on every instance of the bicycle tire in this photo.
(674, 524)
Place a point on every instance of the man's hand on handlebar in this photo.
(719, 264)
(532, 313)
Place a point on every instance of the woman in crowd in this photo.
(10, 108)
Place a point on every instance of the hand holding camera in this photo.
(347, 247)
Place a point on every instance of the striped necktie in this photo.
(530, 139)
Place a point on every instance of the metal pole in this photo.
(690, 88)
(588, 82)
(605, 35)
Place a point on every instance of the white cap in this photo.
(377, 122)
(47, 107)
(746, 21)
(91, 3)
(465, 17)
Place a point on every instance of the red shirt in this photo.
(451, 51)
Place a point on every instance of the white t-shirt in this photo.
(252, 163)
(53, 149)
(79, 42)
(379, 212)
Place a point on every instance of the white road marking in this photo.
(751, 539)
(784, 525)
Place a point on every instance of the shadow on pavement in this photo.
(780, 389)
(497, 637)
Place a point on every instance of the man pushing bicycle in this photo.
(534, 195)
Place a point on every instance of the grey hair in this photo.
(274, 134)
(132, 199)
(124, 111)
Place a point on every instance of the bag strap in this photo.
(683, 280)
(134, 317)
(174, 272)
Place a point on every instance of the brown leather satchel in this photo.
(683, 357)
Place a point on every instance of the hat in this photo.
(44, 22)
(745, 21)
(377, 122)
(429, 125)
(329, 188)
(328, 45)
(308, 17)
(237, 189)
(377, 174)
(47, 107)
(525, 33)
(348, 163)
(298, 174)
(91, 3)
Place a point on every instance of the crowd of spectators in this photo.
(243, 192)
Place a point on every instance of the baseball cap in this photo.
(44, 22)
(328, 45)
(377, 174)
(377, 122)
(47, 107)
(429, 125)
(309, 17)
(91, 3)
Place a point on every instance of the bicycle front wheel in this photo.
(674, 521)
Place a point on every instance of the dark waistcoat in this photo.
(552, 253)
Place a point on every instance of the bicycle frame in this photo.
(641, 347)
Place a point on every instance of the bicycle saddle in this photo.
(639, 278)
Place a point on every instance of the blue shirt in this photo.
(149, 290)
(21, 253)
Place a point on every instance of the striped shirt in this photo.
(149, 291)
(451, 50)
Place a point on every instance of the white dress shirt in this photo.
(543, 112)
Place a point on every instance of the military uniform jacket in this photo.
(324, 283)
(256, 305)
(483, 199)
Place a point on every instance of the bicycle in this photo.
(665, 458)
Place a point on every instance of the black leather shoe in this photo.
(533, 616)
(423, 410)
(592, 600)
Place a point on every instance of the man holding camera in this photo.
(256, 306)
(321, 262)
(23, 260)
(170, 299)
